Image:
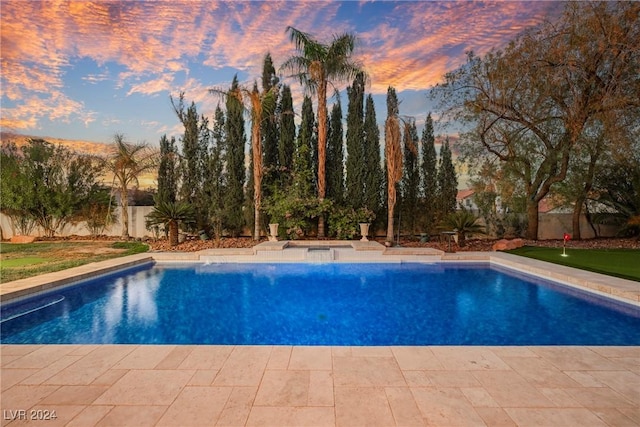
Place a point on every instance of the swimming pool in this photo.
(320, 304)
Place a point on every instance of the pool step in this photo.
(320, 254)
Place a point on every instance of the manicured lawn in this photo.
(624, 263)
(21, 260)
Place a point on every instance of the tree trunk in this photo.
(532, 219)
(173, 233)
(322, 154)
(124, 204)
(575, 218)
(390, 206)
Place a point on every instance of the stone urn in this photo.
(273, 232)
(364, 231)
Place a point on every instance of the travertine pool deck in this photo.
(176, 385)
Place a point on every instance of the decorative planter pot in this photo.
(273, 232)
(364, 231)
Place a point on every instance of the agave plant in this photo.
(464, 222)
(171, 214)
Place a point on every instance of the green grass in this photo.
(624, 263)
(20, 261)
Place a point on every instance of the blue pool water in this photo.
(319, 304)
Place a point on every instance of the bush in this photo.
(343, 221)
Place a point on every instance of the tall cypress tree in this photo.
(287, 137)
(447, 182)
(355, 146)
(269, 126)
(216, 183)
(234, 159)
(335, 155)
(429, 175)
(373, 175)
(410, 179)
(303, 178)
(168, 171)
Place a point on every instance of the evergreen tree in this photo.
(287, 137)
(269, 126)
(410, 179)
(168, 170)
(355, 147)
(216, 183)
(373, 175)
(190, 165)
(429, 175)
(447, 183)
(303, 178)
(234, 159)
(335, 155)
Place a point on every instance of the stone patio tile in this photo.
(63, 415)
(5, 359)
(511, 351)
(616, 352)
(291, 417)
(584, 378)
(283, 388)
(74, 395)
(600, 397)
(509, 389)
(42, 357)
(560, 397)
(238, 406)
(132, 416)
(416, 358)
(576, 359)
(279, 357)
(468, 358)
(539, 372)
(146, 388)
(47, 372)
(83, 350)
(18, 350)
(452, 378)
(614, 417)
(203, 377)
(90, 416)
(11, 377)
(144, 357)
(244, 366)
(362, 406)
(625, 383)
(110, 377)
(557, 417)
(205, 357)
(478, 397)
(321, 388)
(175, 358)
(445, 406)
(196, 406)
(495, 417)
(91, 366)
(381, 351)
(367, 372)
(310, 358)
(403, 407)
(417, 378)
(25, 396)
(633, 413)
(341, 351)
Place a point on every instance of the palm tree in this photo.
(171, 214)
(316, 66)
(464, 222)
(127, 162)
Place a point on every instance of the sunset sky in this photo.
(86, 70)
